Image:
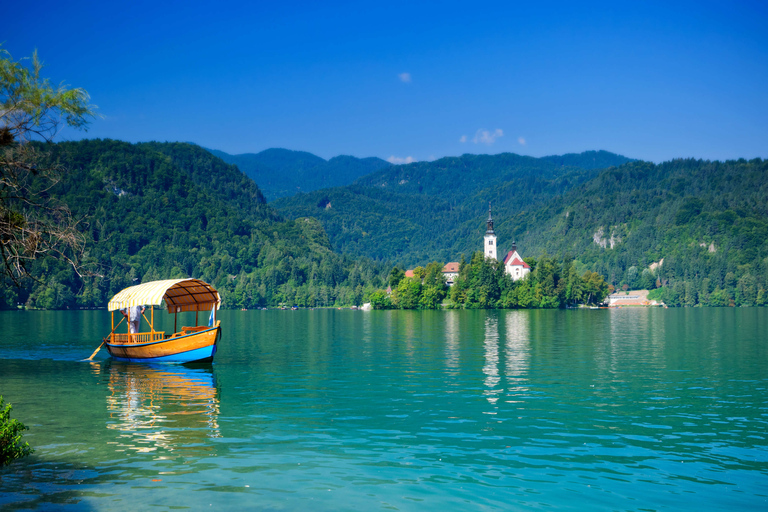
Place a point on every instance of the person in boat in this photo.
(133, 315)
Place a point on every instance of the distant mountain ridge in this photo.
(284, 172)
(412, 214)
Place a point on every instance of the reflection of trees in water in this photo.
(170, 408)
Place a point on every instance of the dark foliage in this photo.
(160, 211)
(11, 431)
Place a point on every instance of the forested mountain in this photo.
(159, 211)
(282, 172)
(707, 221)
(425, 211)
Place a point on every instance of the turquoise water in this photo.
(633, 409)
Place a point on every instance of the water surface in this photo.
(635, 409)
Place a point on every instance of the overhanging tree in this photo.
(32, 112)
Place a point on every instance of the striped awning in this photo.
(179, 295)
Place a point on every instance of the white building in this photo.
(513, 262)
(451, 272)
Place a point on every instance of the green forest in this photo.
(483, 284)
(694, 230)
(171, 210)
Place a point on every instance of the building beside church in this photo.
(513, 262)
(451, 272)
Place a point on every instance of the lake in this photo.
(629, 409)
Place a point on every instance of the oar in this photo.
(96, 352)
(103, 342)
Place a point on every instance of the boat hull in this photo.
(189, 348)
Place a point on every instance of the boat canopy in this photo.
(179, 295)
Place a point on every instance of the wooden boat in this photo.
(188, 345)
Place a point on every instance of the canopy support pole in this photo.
(196, 324)
(151, 328)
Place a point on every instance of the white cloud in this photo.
(522, 141)
(398, 161)
(486, 137)
(463, 139)
(405, 77)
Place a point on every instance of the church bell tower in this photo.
(489, 248)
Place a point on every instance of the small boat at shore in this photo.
(190, 344)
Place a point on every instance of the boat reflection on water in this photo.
(167, 409)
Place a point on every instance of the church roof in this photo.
(513, 259)
(453, 266)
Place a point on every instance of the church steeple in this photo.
(489, 231)
(489, 240)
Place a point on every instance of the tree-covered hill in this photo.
(283, 172)
(698, 227)
(425, 211)
(158, 211)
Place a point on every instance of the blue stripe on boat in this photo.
(183, 357)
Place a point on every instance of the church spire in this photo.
(489, 231)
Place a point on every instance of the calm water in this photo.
(342, 410)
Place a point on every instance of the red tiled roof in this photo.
(409, 273)
(518, 261)
(515, 262)
(452, 267)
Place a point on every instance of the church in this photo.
(513, 262)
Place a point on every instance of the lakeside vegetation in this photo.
(11, 431)
(483, 284)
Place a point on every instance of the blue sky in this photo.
(414, 80)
